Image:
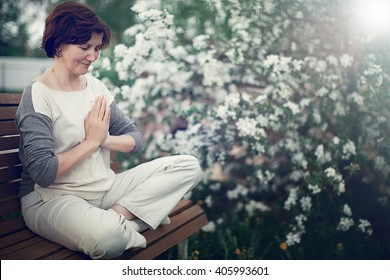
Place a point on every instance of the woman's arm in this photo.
(124, 134)
(121, 143)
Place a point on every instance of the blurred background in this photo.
(284, 102)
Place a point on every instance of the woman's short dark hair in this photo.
(72, 23)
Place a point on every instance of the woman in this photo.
(68, 123)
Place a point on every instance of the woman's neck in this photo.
(64, 80)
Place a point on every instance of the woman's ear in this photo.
(58, 52)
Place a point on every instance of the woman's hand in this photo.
(96, 125)
(97, 122)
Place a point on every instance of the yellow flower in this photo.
(196, 252)
(283, 246)
(237, 251)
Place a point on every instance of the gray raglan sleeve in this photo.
(121, 124)
(36, 149)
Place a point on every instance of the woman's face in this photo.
(78, 58)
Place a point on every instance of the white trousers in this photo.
(150, 191)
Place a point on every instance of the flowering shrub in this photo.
(287, 116)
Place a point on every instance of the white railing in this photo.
(18, 72)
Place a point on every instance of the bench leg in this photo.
(183, 250)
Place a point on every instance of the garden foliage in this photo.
(286, 106)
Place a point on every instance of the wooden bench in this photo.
(18, 242)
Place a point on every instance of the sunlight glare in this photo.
(374, 15)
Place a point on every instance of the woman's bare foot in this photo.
(122, 210)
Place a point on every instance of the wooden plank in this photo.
(11, 226)
(8, 190)
(181, 206)
(9, 143)
(8, 128)
(60, 255)
(16, 237)
(16, 248)
(10, 98)
(182, 220)
(168, 241)
(10, 173)
(9, 159)
(8, 112)
(78, 256)
(10, 206)
(33, 249)
(176, 221)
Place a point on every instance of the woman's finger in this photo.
(107, 115)
(103, 108)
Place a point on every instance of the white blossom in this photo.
(299, 159)
(356, 98)
(345, 223)
(365, 226)
(346, 60)
(252, 206)
(120, 50)
(291, 199)
(248, 128)
(314, 188)
(201, 42)
(336, 140)
(321, 155)
(106, 64)
(293, 107)
(215, 73)
(341, 187)
(210, 227)
(208, 201)
(293, 238)
(240, 190)
(380, 163)
(330, 172)
(349, 149)
(306, 203)
(347, 210)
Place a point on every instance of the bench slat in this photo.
(37, 248)
(9, 206)
(9, 143)
(10, 98)
(8, 128)
(16, 237)
(8, 112)
(9, 189)
(19, 247)
(62, 254)
(11, 226)
(166, 236)
(176, 221)
(10, 173)
(9, 159)
(169, 241)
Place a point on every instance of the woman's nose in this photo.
(93, 55)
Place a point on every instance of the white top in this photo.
(67, 110)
